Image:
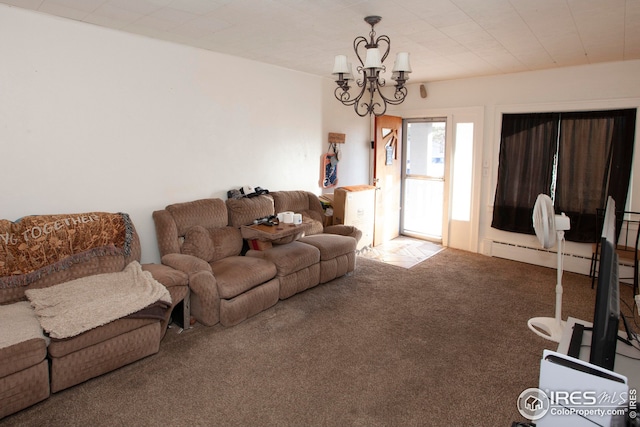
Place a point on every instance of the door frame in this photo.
(480, 168)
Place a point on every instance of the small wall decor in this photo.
(330, 160)
(391, 135)
(337, 138)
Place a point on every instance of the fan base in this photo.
(547, 327)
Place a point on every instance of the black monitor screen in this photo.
(606, 316)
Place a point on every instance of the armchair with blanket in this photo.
(75, 302)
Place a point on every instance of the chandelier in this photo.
(369, 79)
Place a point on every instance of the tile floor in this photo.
(403, 251)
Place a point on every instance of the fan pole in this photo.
(546, 327)
(559, 269)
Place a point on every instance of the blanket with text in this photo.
(39, 244)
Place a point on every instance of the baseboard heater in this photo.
(540, 256)
(547, 258)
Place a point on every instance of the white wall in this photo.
(98, 120)
(354, 165)
(598, 86)
(95, 119)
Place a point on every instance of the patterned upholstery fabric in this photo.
(244, 211)
(302, 202)
(24, 388)
(24, 375)
(111, 354)
(337, 254)
(250, 303)
(195, 237)
(298, 266)
(37, 244)
(21, 356)
(208, 213)
(62, 347)
(238, 274)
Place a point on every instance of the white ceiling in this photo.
(447, 39)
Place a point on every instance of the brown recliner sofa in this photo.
(297, 264)
(336, 243)
(68, 249)
(195, 237)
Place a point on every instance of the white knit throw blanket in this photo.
(73, 307)
(19, 324)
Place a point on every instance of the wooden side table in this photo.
(261, 236)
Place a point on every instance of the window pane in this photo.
(462, 169)
(423, 206)
(425, 159)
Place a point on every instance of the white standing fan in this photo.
(550, 228)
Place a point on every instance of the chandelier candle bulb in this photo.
(402, 63)
(373, 58)
(340, 65)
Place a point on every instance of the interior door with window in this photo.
(387, 169)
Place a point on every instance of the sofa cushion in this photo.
(238, 274)
(291, 257)
(22, 355)
(295, 201)
(316, 226)
(197, 242)
(22, 341)
(244, 211)
(227, 241)
(331, 245)
(19, 323)
(302, 202)
(208, 213)
(61, 347)
(212, 244)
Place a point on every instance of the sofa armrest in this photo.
(186, 263)
(177, 283)
(205, 299)
(344, 230)
(166, 275)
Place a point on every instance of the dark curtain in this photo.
(527, 149)
(594, 161)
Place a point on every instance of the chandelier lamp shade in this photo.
(371, 54)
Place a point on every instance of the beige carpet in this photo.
(444, 343)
